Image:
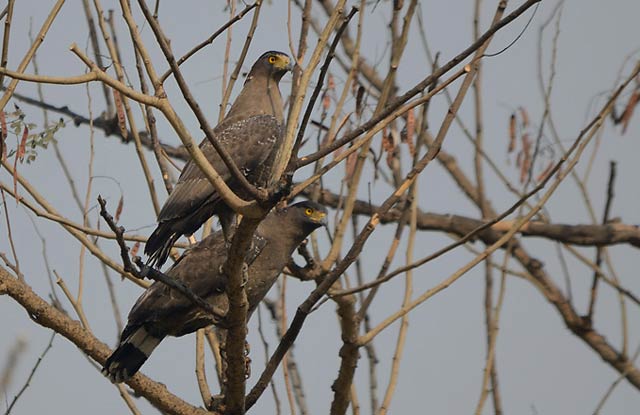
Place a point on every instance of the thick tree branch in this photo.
(584, 235)
(48, 316)
(237, 317)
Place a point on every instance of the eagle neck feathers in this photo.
(259, 96)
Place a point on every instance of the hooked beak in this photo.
(320, 218)
(290, 65)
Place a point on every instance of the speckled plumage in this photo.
(161, 311)
(251, 133)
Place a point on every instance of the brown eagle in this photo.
(251, 133)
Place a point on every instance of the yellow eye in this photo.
(272, 59)
(308, 211)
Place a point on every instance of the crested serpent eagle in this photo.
(161, 311)
(251, 133)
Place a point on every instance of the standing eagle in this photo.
(251, 133)
(162, 311)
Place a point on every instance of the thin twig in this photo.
(578, 147)
(605, 219)
(419, 87)
(614, 384)
(209, 40)
(265, 346)
(131, 119)
(97, 53)
(8, 12)
(282, 326)
(32, 50)
(33, 372)
(231, 4)
(201, 374)
(144, 270)
(16, 261)
(202, 119)
(243, 54)
(320, 83)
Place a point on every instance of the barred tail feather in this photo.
(159, 244)
(130, 355)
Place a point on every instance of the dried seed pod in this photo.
(22, 147)
(359, 101)
(122, 123)
(411, 125)
(134, 250)
(326, 102)
(628, 110)
(525, 117)
(512, 133)
(119, 208)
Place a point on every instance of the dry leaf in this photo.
(134, 250)
(391, 146)
(410, 129)
(3, 124)
(524, 170)
(120, 111)
(412, 148)
(119, 208)
(387, 145)
(526, 145)
(512, 133)
(15, 177)
(387, 141)
(326, 101)
(628, 110)
(411, 125)
(22, 147)
(525, 117)
(359, 101)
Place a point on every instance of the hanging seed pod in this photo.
(512, 133)
(628, 110)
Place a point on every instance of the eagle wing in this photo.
(249, 142)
